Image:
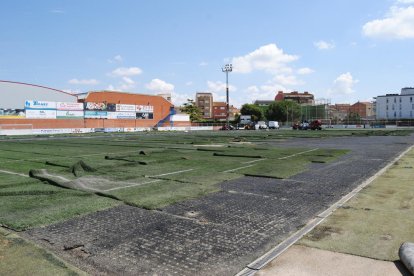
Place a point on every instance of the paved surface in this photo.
(304, 261)
(221, 233)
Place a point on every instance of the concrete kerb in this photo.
(272, 254)
(406, 254)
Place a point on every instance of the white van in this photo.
(273, 125)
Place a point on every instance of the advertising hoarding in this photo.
(144, 108)
(69, 106)
(40, 114)
(121, 115)
(69, 114)
(95, 106)
(125, 107)
(96, 114)
(30, 104)
(145, 115)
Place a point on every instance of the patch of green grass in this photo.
(29, 203)
(20, 257)
(377, 221)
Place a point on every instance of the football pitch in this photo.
(49, 179)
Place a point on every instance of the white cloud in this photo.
(203, 63)
(84, 82)
(268, 58)
(126, 84)
(305, 71)
(343, 85)
(264, 92)
(126, 72)
(160, 86)
(180, 99)
(397, 24)
(117, 58)
(324, 45)
(405, 1)
(189, 83)
(219, 87)
(287, 80)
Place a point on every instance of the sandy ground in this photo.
(300, 260)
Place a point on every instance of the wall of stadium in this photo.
(101, 109)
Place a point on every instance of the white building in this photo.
(396, 106)
(13, 95)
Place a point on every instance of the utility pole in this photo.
(226, 69)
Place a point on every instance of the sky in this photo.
(342, 51)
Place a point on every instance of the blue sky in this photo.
(341, 50)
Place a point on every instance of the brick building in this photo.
(300, 98)
(204, 101)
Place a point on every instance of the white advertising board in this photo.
(144, 108)
(69, 114)
(125, 107)
(69, 106)
(30, 104)
(96, 114)
(180, 118)
(121, 115)
(40, 114)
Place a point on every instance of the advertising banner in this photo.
(40, 114)
(69, 106)
(111, 107)
(125, 107)
(95, 106)
(69, 114)
(144, 108)
(96, 114)
(145, 115)
(29, 104)
(121, 115)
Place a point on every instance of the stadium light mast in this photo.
(226, 69)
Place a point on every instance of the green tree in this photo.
(352, 118)
(283, 111)
(254, 110)
(191, 109)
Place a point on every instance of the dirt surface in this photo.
(304, 261)
(220, 233)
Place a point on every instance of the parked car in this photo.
(261, 125)
(316, 125)
(273, 125)
(301, 126)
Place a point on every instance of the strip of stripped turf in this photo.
(377, 221)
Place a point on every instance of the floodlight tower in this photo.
(226, 69)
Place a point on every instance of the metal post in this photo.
(226, 69)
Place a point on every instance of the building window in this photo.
(222, 107)
(400, 107)
(400, 99)
(411, 99)
(387, 100)
(387, 107)
(395, 100)
(395, 114)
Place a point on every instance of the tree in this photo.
(254, 110)
(283, 111)
(352, 118)
(191, 109)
